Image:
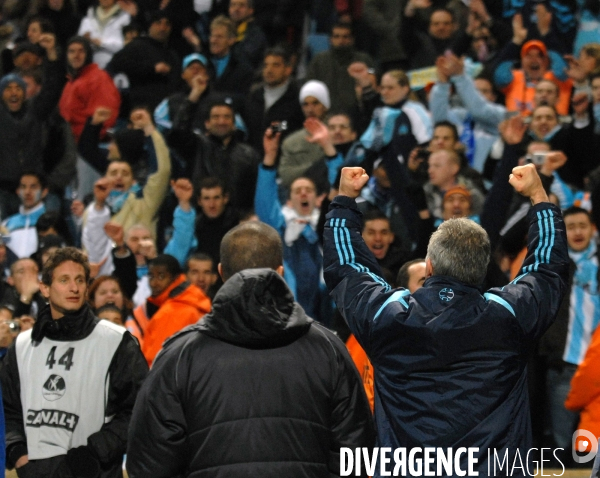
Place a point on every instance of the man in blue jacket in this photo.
(450, 363)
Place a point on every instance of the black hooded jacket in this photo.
(255, 389)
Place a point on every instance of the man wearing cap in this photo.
(298, 151)
(152, 68)
(22, 141)
(457, 203)
(27, 56)
(537, 63)
(87, 88)
(196, 95)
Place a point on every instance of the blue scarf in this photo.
(116, 199)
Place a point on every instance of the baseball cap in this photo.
(194, 57)
(534, 44)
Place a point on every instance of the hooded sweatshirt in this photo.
(179, 305)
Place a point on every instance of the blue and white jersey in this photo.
(584, 306)
(22, 238)
(388, 122)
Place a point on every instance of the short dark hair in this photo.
(250, 245)
(131, 27)
(199, 256)
(40, 177)
(446, 10)
(331, 114)
(46, 26)
(61, 255)
(403, 276)
(447, 124)
(577, 210)
(280, 51)
(110, 307)
(373, 215)
(168, 262)
(211, 182)
(345, 25)
(226, 102)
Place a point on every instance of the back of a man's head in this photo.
(460, 248)
(250, 245)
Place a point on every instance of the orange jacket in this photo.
(364, 366)
(585, 388)
(179, 305)
(519, 94)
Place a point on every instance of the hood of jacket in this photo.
(179, 291)
(256, 309)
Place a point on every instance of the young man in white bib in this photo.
(69, 384)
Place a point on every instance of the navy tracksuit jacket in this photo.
(449, 361)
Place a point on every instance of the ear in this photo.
(44, 192)
(231, 41)
(45, 290)
(280, 270)
(220, 270)
(428, 268)
(213, 278)
(226, 198)
(10, 281)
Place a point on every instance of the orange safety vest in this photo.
(365, 368)
(519, 93)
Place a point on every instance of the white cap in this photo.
(317, 89)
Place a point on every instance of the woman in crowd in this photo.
(103, 27)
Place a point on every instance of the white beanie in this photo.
(317, 89)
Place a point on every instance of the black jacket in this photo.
(236, 79)
(23, 138)
(138, 60)
(106, 447)
(236, 163)
(254, 389)
(287, 108)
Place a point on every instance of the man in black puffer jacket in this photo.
(256, 388)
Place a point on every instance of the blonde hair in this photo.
(403, 80)
(223, 21)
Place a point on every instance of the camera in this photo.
(14, 326)
(536, 158)
(279, 127)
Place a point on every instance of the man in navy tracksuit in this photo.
(449, 360)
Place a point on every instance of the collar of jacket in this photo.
(219, 142)
(169, 292)
(255, 309)
(72, 326)
(437, 282)
(72, 74)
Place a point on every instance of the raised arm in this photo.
(534, 296)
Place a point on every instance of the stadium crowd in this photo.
(141, 132)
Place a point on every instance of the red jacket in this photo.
(585, 388)
(81, 96)
(181, 304)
